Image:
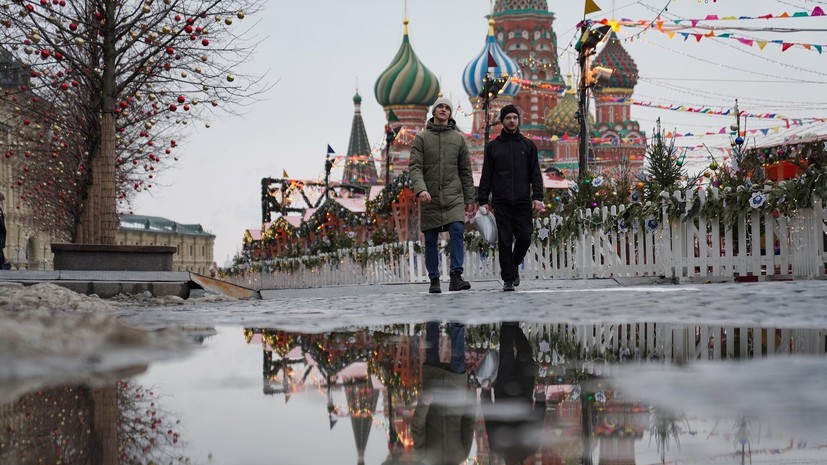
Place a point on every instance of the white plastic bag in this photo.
(486, 224)
(486, 372)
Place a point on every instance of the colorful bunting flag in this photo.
(591, 7)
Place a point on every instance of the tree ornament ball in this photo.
(640, 184)
(230, 78)
(707, 174)
(713, 166)
(739, 140)
(679, 162)
(587, 181)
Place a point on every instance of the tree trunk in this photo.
(99, 220)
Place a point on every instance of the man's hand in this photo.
(425, 197)
(538, 206)
(471, 209)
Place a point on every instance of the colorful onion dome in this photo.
(503, 6)
(561, 119)
(357, 99)
(614, 56)
(406, 81)
(474, 74)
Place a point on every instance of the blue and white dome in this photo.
(474, 74)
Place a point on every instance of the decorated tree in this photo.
(664, 171)
(97, 93)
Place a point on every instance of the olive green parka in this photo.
(440, 165)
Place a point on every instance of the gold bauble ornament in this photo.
(228, 21)
(240, 15)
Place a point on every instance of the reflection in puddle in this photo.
(446, 393)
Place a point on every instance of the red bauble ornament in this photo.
(181, 99)
(205, 42)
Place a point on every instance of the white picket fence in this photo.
(682, 342)
(756, 245)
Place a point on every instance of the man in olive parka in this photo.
(440, 171)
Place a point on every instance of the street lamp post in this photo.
(390, 136)
(589, 39)
(328, 165)
(490, 89)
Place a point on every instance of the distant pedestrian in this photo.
(441, 176)
(3, 263)
(511, 177)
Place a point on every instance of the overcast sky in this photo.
(315, 52)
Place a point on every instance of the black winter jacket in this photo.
(510, 170)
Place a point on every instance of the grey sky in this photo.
(318, 50)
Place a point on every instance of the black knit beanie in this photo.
(506, 110)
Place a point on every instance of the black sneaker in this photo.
(434, 289)
(457, 283)
(516, 276)
(508, 286)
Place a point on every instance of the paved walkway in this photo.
(794, 304)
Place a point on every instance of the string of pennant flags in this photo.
(677, 27)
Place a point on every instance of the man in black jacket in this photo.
(511, 177)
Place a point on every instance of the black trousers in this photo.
(514, 224)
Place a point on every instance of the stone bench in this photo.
(112, 257)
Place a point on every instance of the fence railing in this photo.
(756, 244)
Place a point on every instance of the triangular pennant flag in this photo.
(746, 41)
(711, 17)
(392, 116)
(800, 14)
(670, 34)
(492, 63)
(284, 174)
(333, 421)
(818, 48)
(330, 150)
(817, 11)
(591, 7)
(698, 37)
(765, 131)
(785, 46)
(783, 15)
(761, 44)
(807, 46)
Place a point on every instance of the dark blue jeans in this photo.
(457, 233)
(456, 331)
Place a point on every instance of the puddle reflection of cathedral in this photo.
(522, 43)
(362, 365)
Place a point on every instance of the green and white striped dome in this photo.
(406, 81)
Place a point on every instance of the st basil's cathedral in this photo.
(523, 45)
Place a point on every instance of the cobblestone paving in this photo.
(795, 304)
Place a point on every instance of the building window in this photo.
(611, 114)
(191, 254)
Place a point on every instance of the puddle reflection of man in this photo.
(443, 423)
(513, 418)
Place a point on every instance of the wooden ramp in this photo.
(223, 287)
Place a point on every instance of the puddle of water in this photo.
(639, 393)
